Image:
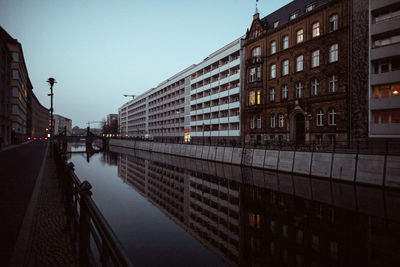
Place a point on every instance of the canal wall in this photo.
(377, 170)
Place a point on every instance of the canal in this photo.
(172, 211)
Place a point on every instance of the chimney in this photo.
(256, 16)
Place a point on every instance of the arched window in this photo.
(315, 29)
(332, 116)
(320, 117)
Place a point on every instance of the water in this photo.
(172, 211)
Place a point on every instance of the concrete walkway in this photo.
(34, 218)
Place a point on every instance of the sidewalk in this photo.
(42, 240)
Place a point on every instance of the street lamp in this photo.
(126, 121)
(51, 82)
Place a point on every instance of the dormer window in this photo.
(310, 7)
(276, 24)
(294, 15)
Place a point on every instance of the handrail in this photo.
(85, 220)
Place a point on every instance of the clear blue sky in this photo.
(99, 50)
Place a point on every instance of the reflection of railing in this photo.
(86, 222)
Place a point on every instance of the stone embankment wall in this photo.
(378, 170)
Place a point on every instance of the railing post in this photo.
(84, 224)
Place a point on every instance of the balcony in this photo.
(385, 51)
(385, 103)
(385, 78)
(387, 129)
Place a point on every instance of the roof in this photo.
(283, 14)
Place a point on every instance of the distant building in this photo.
(112, 119)
(61, 123)
(384, 93)
(111, 125)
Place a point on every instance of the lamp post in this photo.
(127, 108)
(51, 82)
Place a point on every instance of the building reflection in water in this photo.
(251, 217)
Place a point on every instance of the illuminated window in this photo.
(252, 97)
(315, 29)
(258, 97)
(273, 47)
(281, 121)
(395, 89)
(300, 36)
(384, 117)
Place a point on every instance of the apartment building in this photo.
(296, 74)
(384, 93)
(200, 102)
(38, 117)
(61, 124)
(215, 94)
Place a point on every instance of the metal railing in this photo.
(95, 242)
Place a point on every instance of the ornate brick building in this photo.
(296, 74)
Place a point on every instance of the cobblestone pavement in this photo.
(51, 244)
(42, 240)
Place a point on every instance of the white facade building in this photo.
(199, 102)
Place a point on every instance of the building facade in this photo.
(5, 91)
(295, 82)
(38, 117)
(200, 102)
(384, 92)
(61, 124)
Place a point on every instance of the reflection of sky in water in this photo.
(148, 235)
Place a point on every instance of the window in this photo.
(299, 63)
(272, 94)
(258, 73)
(299, 90)
(281, 121)
(272, 121)
(333, 23)
(333, 83)
(15, 56)
(252, 122)
(319, 139)
(285, 42)
(332, 140)
(252, 97)
(258, 97)
(315, 59)
(310, 7)
(256, 52)
(300, 36)
(315, 87)
(273, 47)
(259, 122)
(394, 13)
(276, 24)
(387, 41)
(294, 15)
(315, 29)
(284, 91)
(252, 74)
(285, 67)
(15, 74)
(333, 53)
(273, 71)
(331, 116)
(320, 117)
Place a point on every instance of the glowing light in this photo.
(395, 92)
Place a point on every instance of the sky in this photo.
(100, 50)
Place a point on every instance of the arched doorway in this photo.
(300, 129)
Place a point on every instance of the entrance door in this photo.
(300, 129)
